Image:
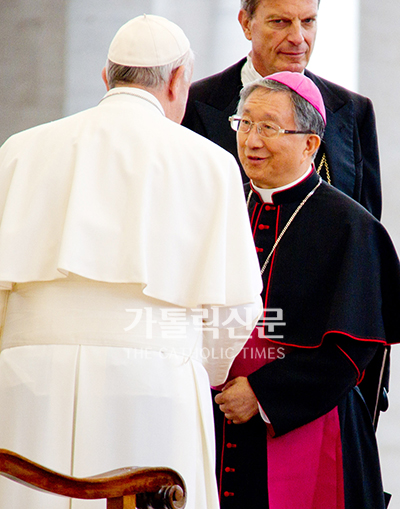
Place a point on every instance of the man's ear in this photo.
(244, 20)
(175, 82)
(313, 143)
(104, 76)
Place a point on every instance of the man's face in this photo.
(272, 162)
(282, 34)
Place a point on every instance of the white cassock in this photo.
(121, 235)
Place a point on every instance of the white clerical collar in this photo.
(249, 73)
(266, 194)
(136, 92)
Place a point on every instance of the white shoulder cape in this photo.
(119, 193)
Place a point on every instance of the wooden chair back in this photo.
(125, 488)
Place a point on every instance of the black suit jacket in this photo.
(350, 140)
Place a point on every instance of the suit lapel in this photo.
(339, 148)
(339, 138)
(217, 124)
(220, 105)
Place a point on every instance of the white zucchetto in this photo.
(148, 41)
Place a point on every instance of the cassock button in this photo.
(259, 249)
(231, 446)
(263, 227)
(229, 421)
(228, 494)
(229, 469)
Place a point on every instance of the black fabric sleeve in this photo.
(308, 383)
(192, 120)
(371, 193)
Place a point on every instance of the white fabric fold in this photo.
(117, 215)
(113, 389)
(79, 311)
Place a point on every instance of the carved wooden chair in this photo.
(126, 488)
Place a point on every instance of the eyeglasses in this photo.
(264, 129)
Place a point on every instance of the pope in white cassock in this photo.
(122, 233)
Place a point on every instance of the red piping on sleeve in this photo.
(368, 340)
(362, 378)
(354, 364)
(372, 340)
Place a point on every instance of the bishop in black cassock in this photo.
(292, 427)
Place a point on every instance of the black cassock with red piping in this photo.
(335, 278)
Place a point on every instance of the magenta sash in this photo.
(305, 466)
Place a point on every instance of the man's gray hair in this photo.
(306, 117)
(250, 6)
(148, 77)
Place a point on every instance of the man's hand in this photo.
(237, 400)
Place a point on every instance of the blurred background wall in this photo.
(52, 54)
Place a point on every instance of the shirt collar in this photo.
(135, 92)
(267, 194)
(249, 73)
